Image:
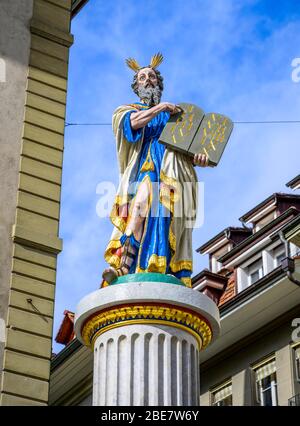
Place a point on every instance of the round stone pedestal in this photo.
(146, 335)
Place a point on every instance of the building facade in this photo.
(254, 277)
(256, 359)
(34, 52)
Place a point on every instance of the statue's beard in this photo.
(150, 95)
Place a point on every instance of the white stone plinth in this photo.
(146, 338)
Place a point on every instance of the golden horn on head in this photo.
(133, 64)
(156, 60)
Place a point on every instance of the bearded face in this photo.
(148, 86)
(150, 96)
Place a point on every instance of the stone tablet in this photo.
(181, 128)
(192, 132)
(212, 137)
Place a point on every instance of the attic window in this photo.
(264, 220)
(215, 265)
(255, 271)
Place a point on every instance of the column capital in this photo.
(147, 301)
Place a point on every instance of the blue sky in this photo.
(232, 57)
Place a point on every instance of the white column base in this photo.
(146, 338)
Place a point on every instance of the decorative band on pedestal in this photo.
(145, 313)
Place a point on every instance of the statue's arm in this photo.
(141, 118)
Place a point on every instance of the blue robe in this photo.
(155, 240)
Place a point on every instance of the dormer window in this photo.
(214, 264)
(264, 221)
(255, 271)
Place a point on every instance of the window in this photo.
(222, 395)
(264, 221)
(215, 265)
(278, 255)
(297, 362)
(266, 383)
(255, 271)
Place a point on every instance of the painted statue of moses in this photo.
(157, 189)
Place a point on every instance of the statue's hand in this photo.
(200, 160)
(171, 108)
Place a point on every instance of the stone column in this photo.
(146, 336)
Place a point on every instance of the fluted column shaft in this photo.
(146, 364)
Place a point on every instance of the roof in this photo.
(230, 290)
(237, 234)
(252, 290)
(277, 223)
(64, 354)
(294, 183)
(234, 234)
(66, 331)
(277, 196)
(77, 5)
(206, 273)
(291, 230)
